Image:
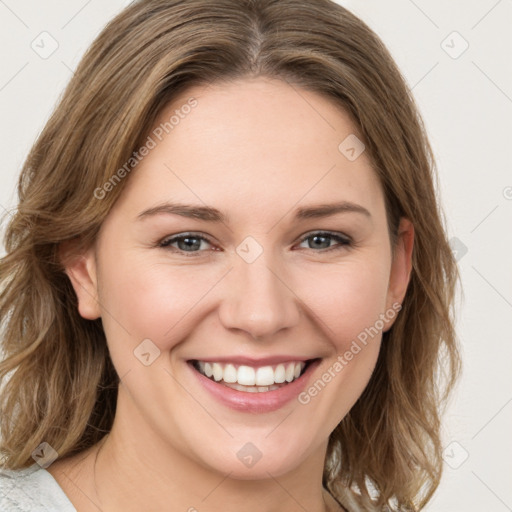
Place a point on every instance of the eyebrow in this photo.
(210, 214)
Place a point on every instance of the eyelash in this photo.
(344, 242)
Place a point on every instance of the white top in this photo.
(35, 490)
(32, 490)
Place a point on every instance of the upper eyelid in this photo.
(185, 234)
(323, 232)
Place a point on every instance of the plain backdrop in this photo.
(456, 57)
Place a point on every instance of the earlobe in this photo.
(82, 272)
(401, 266)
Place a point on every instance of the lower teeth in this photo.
(252, 389)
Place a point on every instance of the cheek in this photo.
(163, 301)
(156, 301)
(348, 300)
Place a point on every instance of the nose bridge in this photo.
(258, 300)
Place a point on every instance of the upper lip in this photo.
(253, 361)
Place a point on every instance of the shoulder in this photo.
(31, 489)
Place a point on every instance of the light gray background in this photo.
(467, 106)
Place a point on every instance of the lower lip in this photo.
(261, 402)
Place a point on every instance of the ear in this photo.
(82, 272)
(401, 267)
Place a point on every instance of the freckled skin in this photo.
(256, 150)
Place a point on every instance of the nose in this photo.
(258, 300)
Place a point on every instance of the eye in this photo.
(186, 243)
(191, 243)
(322, 238)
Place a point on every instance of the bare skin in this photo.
(256, 150)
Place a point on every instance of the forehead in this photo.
(257, 141)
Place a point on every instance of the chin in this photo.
(255, 461)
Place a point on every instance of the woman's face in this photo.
(250, 244)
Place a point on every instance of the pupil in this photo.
(316, 237)
(188, 244)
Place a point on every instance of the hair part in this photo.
(59, 383)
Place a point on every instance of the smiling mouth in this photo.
(251, 379)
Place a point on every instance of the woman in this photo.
(227, 283)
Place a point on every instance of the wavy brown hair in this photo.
(58, 382)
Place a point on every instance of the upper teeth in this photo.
(249, 376)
